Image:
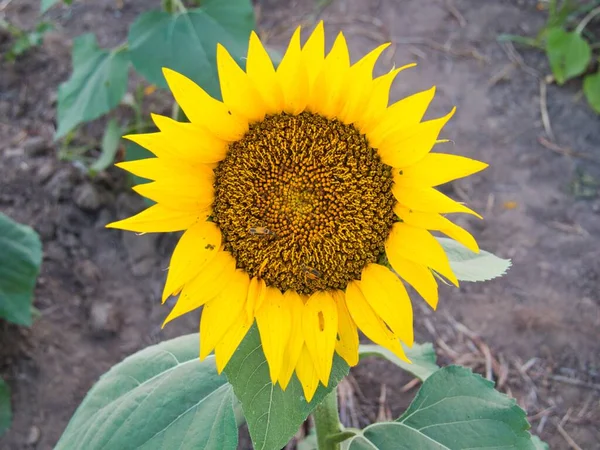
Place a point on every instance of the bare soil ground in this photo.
(535, 332)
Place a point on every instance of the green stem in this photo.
(327, 422)
(593, 13)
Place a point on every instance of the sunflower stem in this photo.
(327, 422)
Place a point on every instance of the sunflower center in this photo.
(303, 202)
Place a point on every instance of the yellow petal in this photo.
(239, 93)
(159, 219)
(437, 168)
(410, 144)
(307, 374)
(327, 95)
(293, 77)
(437, 222)
(219, 314)
(274, 322)
(180, 192)
(358, 85)
(204, 110)
(429, 200)
(188, 141)
(231, 340)
(378, 100)
(295, 341)
(313, 53)
(259, 68)
(156, 168)
(209, 283)
(319, 328)
(419, 246)
(407, 112)
(387, 296)
(196, 248)
(347, 335)
(256, 296)
(369, 322)
(417, 275)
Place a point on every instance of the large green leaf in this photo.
(97, 84)
(471, 266)
(187, 41)
(591, 88)
(5, 411)
(163, 397)
(273, 416)
(421, 355)
(568, 53)
(454, 409)
(20, 260)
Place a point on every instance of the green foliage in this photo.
(5, 410)
(422, 357)
(470, 266)
(273, 416)
(110, 145)
(20, 260)
(568, 53)
(161, 397)
(538, 444)
(591, 88)
(97, 84)
(454, 409)
(24, 40)
(570, 50)
(45, 5)
(187, 41)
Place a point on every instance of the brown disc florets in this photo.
(303, 202)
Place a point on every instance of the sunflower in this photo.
(304, 198)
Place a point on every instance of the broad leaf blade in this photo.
(422, 357)
(470, 266)
(5, 410)
(20, 260)
(97, 84)
(187, 42)
(161, 397)
(568, 53)
(591, 88)
(110, 145)
(273, 416)
(454, 409)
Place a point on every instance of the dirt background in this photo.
(535, 331)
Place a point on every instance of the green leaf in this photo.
(591, 88)
(470, 266)
(538, 444)
(97, 84)
(273, 416)
(20, 260)
(187, 42)
(110, 145)
(5, 411)
(45, 5)
(568, 53)
(454, 409)
(422, 357)
(163, 397)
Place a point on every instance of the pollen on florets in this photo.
(303, 202)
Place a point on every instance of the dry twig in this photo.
(544, 110)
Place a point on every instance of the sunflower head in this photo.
(305, 198)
